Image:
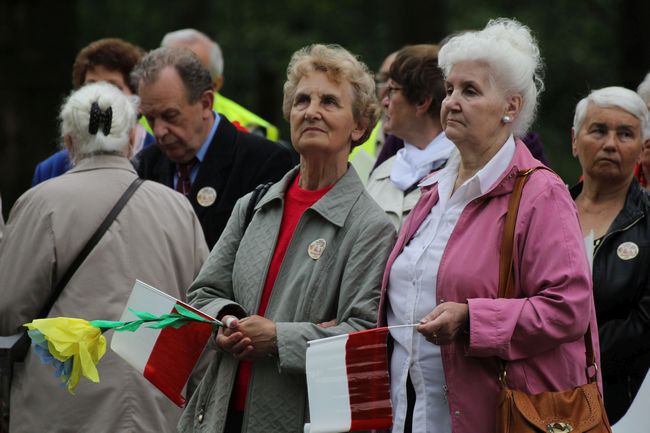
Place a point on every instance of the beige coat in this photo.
(342, 283)
(156, 238)
(391, 199)
(2, 220)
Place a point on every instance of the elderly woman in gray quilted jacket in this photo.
(307, 265)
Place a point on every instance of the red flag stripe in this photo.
(369, 386)
(174, 355)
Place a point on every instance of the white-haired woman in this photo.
(155, 238)
(307, 266)
(609, 129)
(443, 274)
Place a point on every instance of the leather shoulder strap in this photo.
(506, 259)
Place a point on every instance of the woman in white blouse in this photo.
(414, 92)
(443, 274)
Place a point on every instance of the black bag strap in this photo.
(99, 233)
(258, 193)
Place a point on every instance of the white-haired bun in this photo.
(75, 117)
(512, 54)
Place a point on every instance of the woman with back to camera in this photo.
(414, 92)
(307, 266)
(443, 274)
(156, 238)
(609, 129)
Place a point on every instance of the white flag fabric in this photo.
(166, 356)
(348, 384)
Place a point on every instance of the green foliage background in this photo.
(586, 44)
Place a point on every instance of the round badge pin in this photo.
(316, 248)
(206, 196)
(627, 251)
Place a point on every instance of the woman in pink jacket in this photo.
(443, 274)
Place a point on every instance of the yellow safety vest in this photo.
(370, 145)
(235, 113)
(143, 122)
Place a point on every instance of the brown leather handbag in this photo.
(575, 410)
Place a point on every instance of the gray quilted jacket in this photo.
(342, 284)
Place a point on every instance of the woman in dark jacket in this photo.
(609, 128)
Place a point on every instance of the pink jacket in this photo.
(540, 331)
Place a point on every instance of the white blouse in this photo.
(412, 295)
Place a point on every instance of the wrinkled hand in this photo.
(231, 340)
(261, 333)
(328, 324)
(445, 323)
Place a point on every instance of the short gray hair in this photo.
(75, 118)
(644, 89)
(614, 97)
(512, 55)
(339, 65)
(194, 75)
(193, 35)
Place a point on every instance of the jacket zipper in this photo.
(608, 235)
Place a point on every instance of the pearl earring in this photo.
(506, 119)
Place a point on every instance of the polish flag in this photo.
(347, 382)
(166, 356)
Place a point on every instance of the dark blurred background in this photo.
(586, 44)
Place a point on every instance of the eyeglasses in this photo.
(390, 91)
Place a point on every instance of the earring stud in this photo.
(506, 119)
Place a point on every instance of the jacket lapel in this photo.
(214, 169)
(164, 171)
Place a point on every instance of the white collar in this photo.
(486, 176)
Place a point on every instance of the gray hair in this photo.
(193, 35)
(512, 55)
(644, 89)
(75, 118)
(614, 97)
(194, 75)
(340, 66)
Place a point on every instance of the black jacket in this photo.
(235, 163)
(622, 297)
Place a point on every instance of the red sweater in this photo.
(297, 200)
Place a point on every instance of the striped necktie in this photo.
(184, 183)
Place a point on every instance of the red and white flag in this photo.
(165, 356)
(348, 384)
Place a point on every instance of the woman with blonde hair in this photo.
(307, 265)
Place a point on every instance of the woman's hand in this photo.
(261, 333)
(445, 323)
(229, 339)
